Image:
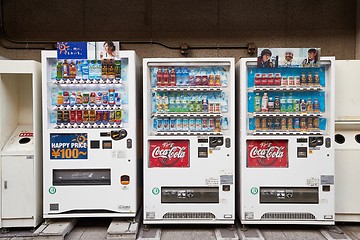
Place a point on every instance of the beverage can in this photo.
(79, 99)
(211, 124)
(303, 106)
(217, 125)
(172, 124)
(105, 98)
(118, 116)
(66, 98)
(98, 117)
(291, 81)
(310, 79)
(257, 79)
(316, 106)
(105, 117)
(59, 117)
(211, 107)
(270, 123)
(309, 105)
(204, 80)
(310, 123)
(296, 105)
(79, 117)
(92, 98)
(297, 81)
(98, 99)
(198, 126)
(211, 80)
(72, 117)
(284, 81)
(92, 117)
(159, 126)
(257, 123)
(283, 123)
(316, 123)
(303, 79)
(198, 80)
(205, 125)
(166, 124)
(264, 79)
(296, 123)
(185, 124)
(217, 80)
(192, 80)
(85, 99)
(66, 117)
(112, 117)
(277, 123)
(303, 123)
(290, 123)
(86, 116)
(192, 124)
(179, 124)
(316, 79)
(217, 107)
(264, 123)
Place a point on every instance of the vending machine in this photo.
(347, 141)
(286, 143)
(20, 144)
(189, 134)
(90, 136)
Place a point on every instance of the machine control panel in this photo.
(189, 195)
(291, 195)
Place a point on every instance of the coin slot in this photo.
(24, 140)
(357, 138)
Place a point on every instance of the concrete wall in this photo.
(328, 24)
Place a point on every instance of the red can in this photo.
(79, 116)
(277, 80)
(264, 79)
(72, 116)
(270, 80)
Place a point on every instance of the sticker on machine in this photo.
(169, 153)
(68, 146)
(267, 154)
(327, 179)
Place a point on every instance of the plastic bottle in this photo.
(257, 103)
(290, 103)
(79, 70)
(59, 74)
(264, 103)
(85, 70)
(98, 69)
(92, 70)
(178, 74)
(283, 103)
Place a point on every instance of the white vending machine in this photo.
(286, 143)
(90, 136)
(347, 141)
(20, 144)
(189, 134)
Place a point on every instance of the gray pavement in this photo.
(96, 229)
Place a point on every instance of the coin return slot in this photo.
(339, 138)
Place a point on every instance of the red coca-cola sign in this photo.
(169, 153)
(267, 153)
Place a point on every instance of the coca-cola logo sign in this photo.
(267, 153)
(169, 153)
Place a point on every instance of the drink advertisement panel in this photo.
(169, 153)
(267, 154)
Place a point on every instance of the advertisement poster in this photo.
(107, 50)
(68, 146)
(169, 153)
(267, 154)
(73, 50)
(288, 57)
